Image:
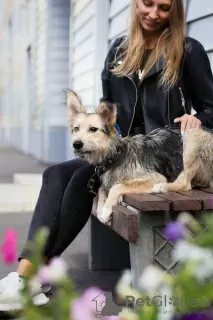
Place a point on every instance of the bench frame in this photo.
(135, 239)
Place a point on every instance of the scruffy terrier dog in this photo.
(161, 161)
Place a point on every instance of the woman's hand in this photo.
(187, 122)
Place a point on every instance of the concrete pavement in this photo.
(13, 162)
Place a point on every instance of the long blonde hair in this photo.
(169, 45)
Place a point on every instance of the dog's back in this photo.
(163, 152)
(157, 152)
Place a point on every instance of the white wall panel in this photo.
(85, 32)
(79, 6)
(85, 81)
(119, 14)
(82, 48)
(117, 6)
(84, 16)
(200, 30)
(84, 66)
(85, 48)
(198, 9)
(210, 55)
(87, 97)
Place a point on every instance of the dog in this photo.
(160, 161)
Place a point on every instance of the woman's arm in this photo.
(198, 79)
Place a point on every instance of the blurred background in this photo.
(47, 46)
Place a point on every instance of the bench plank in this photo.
(204, 197)
(180, 202)
(208, 190)
(126, 223)
(147, 202)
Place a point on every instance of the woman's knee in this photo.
(82, 176)
(62, 171)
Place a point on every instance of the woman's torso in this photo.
(146, 103)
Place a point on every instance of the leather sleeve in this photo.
(106, 74)
(198, 79)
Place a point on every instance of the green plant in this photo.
(188, 293)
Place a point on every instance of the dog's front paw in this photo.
(106, 216)
(99, 211)
(160, 188)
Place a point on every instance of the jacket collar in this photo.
(155, 69)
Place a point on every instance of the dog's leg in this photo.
(182, 183)
(118, 190)
(191, 166)
(101, 200)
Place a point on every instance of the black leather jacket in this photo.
(160, 108)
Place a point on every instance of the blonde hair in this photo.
(169, 45)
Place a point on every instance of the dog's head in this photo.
(91, 132)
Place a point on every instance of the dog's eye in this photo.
(75, 129)
(93, 129)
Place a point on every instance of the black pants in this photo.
(64, 205)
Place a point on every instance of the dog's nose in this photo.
(78, 145)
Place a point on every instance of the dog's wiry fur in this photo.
(197, 161)
(157, 162)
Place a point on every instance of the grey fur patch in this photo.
(106, 129)
(160, 151)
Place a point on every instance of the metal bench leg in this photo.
(107, 250)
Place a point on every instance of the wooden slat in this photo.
(147, 202)
(208, 190)
(204, 197)
(125, 223)
(181, 202)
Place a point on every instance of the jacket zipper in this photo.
(182, 100)
(168, 102)
(134, 104)
(136, 90)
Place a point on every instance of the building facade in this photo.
(34, 62)
(47, 46)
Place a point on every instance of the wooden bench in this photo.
(135, 238)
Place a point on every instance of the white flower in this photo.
(151, 279)
(185, 251)
(189, 221)
(54, 272)
(123, 287)
(166, 312)
(128, 314)
(204, 269)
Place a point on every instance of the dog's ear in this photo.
(108, 112)
(74, 105)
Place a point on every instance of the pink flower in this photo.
(88, 305)
(54, 272)
(112, 318)
(9, 247)
(79, 311)
(44, 275)
(94, 299)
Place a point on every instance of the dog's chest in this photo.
(120, 174)
(111, 177)
(108, 180)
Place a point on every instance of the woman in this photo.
(156, 75)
